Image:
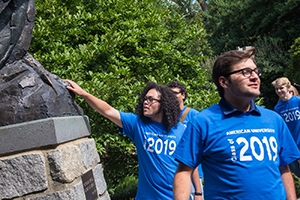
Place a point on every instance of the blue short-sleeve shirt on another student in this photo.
(240, 153)
(192, 113)
(290, 112)
(155, 149)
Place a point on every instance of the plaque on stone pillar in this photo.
(89, 186)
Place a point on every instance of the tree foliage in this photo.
(273, 60)
(112, 48)
(270, 26)
(293, 70)
(241, 23)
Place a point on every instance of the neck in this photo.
(287, 97)
(241, 104)
(181, 106)
(157, 118)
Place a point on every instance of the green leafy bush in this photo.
(292, 71)
(112, 48)
(126, 190)
(297, 185)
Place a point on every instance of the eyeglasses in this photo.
(175, 92)
(150, 99)
(247, 72)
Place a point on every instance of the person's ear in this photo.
(184, 96)
(223, 82)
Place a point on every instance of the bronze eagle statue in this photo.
(27, 91)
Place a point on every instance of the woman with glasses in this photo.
(244, 149)
(155, 131)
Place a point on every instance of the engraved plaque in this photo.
(89, 186)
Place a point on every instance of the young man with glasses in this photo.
(244, 149)
(155, 131)
(288, 107)
(185, 115)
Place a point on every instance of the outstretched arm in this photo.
(182, 182)
(288, 182)
(97, 104)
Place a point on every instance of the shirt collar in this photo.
(228, 109)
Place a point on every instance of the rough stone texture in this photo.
(99, 179)
(73, 193)
(65, 164)
(16, 35)
(27, 91)
(53, 171)
(89, 153)
(43, 132)
(22, 174)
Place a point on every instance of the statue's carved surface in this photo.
(27, 91)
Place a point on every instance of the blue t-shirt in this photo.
(155, 149)
(192, 112)
(240, 153)
(290, 112)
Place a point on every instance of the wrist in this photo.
(197, 193)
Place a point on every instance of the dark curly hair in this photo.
(168, 105)
(177, 84)
(224, 63)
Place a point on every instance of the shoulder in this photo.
(295, 98)
(128, 116)
(265, 112)
(213, 109)
(192, 111)
(210, 112)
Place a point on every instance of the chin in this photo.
(253, 94)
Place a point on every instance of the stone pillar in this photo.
(48, 158)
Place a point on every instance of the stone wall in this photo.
(48, 158)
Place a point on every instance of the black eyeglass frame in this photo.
(151, 99)
(246, 70)
(176, 93)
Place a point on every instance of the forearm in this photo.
(196, 184)
(182, 183)
(288, 182)
(103, 108)
(196, 180)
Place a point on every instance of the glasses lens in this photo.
(149, 99)
(247, 72)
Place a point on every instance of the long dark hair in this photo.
(168, 104)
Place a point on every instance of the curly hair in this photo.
(169, 105)
(224, 63)
(177, 84)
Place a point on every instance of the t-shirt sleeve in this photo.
(289, 151)
(129, 121)
(189, 148)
